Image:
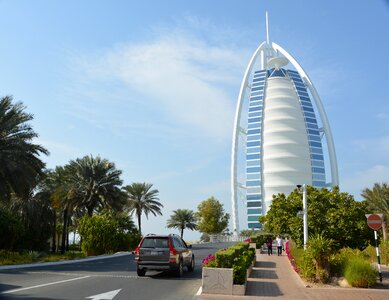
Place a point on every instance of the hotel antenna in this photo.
(267, 29)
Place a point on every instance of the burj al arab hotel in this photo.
(282, 122)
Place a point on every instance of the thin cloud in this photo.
(375, 147)
(365, 179)
(185, 78)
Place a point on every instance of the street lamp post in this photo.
(305, 214)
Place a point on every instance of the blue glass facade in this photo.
(254, 139)
(253, 150)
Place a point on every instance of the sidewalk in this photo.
(273, 277)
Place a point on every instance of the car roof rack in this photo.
(173, 234)
(150, 234)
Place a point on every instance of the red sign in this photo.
(374, 221)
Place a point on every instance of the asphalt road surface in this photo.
(105, 279)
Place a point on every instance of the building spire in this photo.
(267, 29)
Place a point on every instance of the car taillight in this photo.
(136, 252)
(173, 251)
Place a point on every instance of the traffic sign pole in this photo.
(378, 255)
(374, 221)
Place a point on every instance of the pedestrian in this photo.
(280, 245)
(269, 243)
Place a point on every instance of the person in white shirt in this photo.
(280, 245)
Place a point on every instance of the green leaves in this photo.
(333, 214)
(212, 218)
(182, 219)
(20, 164)
(377, 200)
(107, 233)
(141, 198)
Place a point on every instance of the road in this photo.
(110, 278)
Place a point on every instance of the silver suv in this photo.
(163, 252)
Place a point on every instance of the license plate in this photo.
(154, 253)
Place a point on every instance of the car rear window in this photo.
(155, 243)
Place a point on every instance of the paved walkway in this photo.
(273, 277)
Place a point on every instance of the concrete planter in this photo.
(217, 281)
(221, 281)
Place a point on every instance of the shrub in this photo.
(370, 251)
(238, 257)
(10, 258)
(241, 265)
(359, 273)
(319, 251)
(107, 234)
(259, 240)
(209, 261)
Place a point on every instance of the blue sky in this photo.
(152, 85)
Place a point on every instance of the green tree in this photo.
(331, 213)
(212, 218)
(377, 200)
(57, 188)
(107, 232)
(11, 229)
(35, 214)
(141, 198)
(182, 219)
(20, 163)
(94, 183)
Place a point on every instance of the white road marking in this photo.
(90, 274)
(105, 296)
(199, 291)
(42, 285)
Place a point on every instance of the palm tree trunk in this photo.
(67, 234)
(90, 211)
(139, 221)
(65, 219)
(54, 234)
(182, 233)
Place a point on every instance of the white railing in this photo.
(219, 238)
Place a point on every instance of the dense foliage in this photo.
(212, 218)
(377, 200)
(107, 233)
(238, 257)
(20, 162)
(318, 263)
(332, 214)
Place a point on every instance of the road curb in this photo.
(63, 262)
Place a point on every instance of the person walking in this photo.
(269, 244)
(280, 245)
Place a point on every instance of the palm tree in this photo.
(377, 200)
(142, 199)
(20, 165)
(182, 219)
(95, 184)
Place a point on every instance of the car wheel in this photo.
(180, 270)
(192, 265)
(141, 272)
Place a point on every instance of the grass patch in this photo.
(16, 258)
(359, 273)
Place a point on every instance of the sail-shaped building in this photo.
(285, 129)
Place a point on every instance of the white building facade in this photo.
(284, 133)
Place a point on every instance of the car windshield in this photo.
(155, 243)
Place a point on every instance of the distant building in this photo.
(284, 133)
